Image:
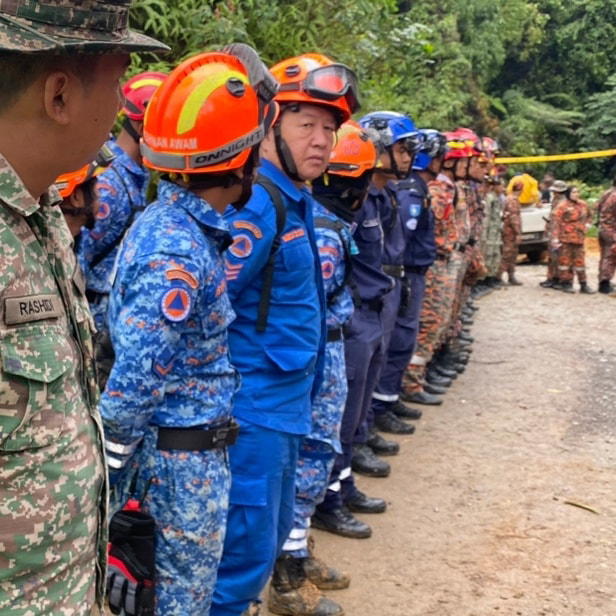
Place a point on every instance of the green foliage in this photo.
(538, 75)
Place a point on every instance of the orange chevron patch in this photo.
(293, 235)
(248, 226)
(184, 276)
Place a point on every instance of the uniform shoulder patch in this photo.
(103, 212)
(327, 268)
(293, 235)
(182, 275)
(245, 225)
(241, 247)
(176, 304)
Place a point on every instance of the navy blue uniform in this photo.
(417, 222)
(363, 340)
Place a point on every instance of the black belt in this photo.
(198, 439)
(442, 257)
(397, 271)
(416, 269)
(333, 335)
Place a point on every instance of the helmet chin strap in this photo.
(285, 156)
(127, 125)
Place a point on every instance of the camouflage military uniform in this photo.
(460, 263)
(493, 240)
(570, 219)
(121, 192)
(512, 230)
(168, 316)
(52, 488)
(318, 449)
(440, 284)
(476, 208)
(607, 235)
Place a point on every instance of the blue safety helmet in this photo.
(392, 128)
(434, 145)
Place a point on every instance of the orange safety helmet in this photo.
(138, 91)
(316, 79)
(354, 153)
(209, 113)
(68, 182)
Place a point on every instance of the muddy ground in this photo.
(482, 516)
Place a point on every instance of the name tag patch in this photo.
(31, 308)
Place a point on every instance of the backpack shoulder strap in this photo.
(268, 272)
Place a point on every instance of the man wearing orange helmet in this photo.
(298, 573)
(121, 195)
(277, 340)
(168, 401)
(79, 199)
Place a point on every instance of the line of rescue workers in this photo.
(260, 324)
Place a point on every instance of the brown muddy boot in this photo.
(322, 575)
(293, 594)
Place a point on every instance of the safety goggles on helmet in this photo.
(328, 83)
(264, 83)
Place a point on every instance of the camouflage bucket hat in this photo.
(70, 26)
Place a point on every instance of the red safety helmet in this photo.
(209, 114)
(316, 79)
(138, 91)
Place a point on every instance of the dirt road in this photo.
(482, 514)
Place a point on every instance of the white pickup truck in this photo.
(534, 238)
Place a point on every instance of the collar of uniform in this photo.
(16, 196)
(282, 180)
(197, 208)
(123, 159)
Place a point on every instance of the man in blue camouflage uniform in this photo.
(121, 192)
(167, 404)
(278, 338)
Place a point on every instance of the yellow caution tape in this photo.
(511, 160)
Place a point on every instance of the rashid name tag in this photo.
(31, 308)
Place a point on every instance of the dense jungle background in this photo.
(538, 75)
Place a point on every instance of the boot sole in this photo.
(340, 533)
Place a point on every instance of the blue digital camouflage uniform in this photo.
(319, 448)
(169, 314)
(121, 192)
(280, 369)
